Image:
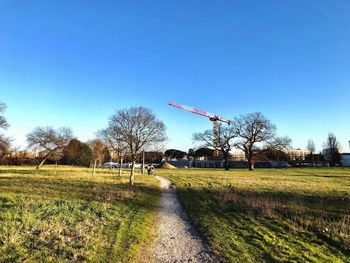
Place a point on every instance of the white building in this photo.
(297, 154)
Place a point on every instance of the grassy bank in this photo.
(294, 215)
(67, 214)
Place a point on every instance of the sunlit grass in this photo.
(270, 214)
(66, 214)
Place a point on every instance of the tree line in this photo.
(249, 133)
(129, 131)
(132, 131)
(331, 150)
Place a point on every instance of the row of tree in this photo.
(131, 131)
(331, 150)
(178, 154)
(252, 133)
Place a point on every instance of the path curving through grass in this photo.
(177, 240)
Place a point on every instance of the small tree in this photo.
(97, 152)
(49, 140)
(190, 153)
(154, 157)
(204, 152)
(4, 141)
(138, 128)
(77, 153)
(311, 148)
(223, 144)
(253, 130)
(111, 137)
(174, 153)
(332, 147)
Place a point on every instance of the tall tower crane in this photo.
(212, 117)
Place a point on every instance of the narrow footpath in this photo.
(177, 240)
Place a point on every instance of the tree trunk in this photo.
(94, 167)
(143, 163)
(131, 178)
(45, 158)
(42, 162)
(120, 166)
(226, 161)
(250, 163)
(249, 156)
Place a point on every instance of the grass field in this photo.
(66, 214)
(69, 215)
(272, 215)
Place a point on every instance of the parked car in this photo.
(110, 165)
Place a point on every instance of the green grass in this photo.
(272, 215)
(66, 214)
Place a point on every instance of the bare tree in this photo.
(97, 150)
(311, 148)
(139, 129)
(332, 147)
(223, 141)
(253, 130)
(111, 137)
(49, 140)
(3, 121)
(4, 141)
(279, 144)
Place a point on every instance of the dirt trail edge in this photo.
(177, 240)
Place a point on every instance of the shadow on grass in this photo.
(272, 226)
(70, 189)
(345, 176)
(22, 171)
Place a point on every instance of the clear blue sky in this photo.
(72, 63)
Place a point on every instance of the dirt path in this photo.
(177, 239)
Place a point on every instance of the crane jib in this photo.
(211, 116)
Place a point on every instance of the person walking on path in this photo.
(150, 169)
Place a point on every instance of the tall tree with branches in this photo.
(139, 129)
(49, 140)
(332, 147)
(253, 130)
(111, 137)
(222, 142)
(97, 151)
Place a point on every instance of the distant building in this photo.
(237, 155)
(345, 159)
(327, 153)
(217, 164)
(297, 154)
